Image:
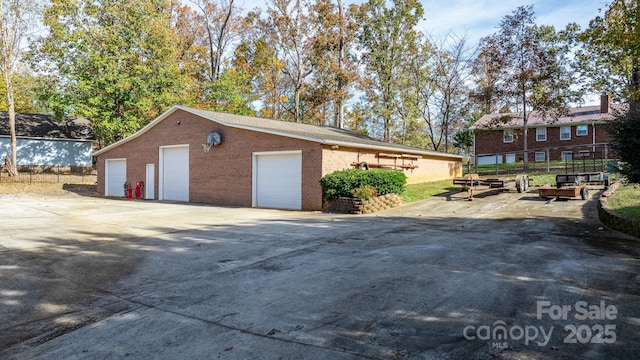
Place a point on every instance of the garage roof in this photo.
(320, 134)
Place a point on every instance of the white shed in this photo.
(42, 141)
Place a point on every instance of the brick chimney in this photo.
(604, 103)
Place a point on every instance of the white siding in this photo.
(48, 152)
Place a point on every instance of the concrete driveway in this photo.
(507, 276)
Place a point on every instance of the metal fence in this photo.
(51, 174)
(558, 167)
(575, 158)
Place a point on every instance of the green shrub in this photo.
(343, 182)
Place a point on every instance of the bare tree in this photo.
(15, 18)
(532, 69)
(438, 88)
(221, 23)
(450, 76)
(291, 33)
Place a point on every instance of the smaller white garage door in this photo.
(115, 176)
(174, 173)
(489, 159)
(277, 180)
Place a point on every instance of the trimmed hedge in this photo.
(341, 183)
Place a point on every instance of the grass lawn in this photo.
(542, 179)
(415, 192)
(421, 191)
(626, 202)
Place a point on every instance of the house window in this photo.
(507, 136)
(585, 153)
(540, 156)
(582, 130)
(541, 134)
(567, 155)
(565, 133)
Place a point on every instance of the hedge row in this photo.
(342, 183)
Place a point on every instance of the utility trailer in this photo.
(593, 178)
(550, 192)
(580, 172)
(573, 185)
(473, 184)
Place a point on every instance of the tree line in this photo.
(365, 67)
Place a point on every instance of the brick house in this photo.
(498, 138)
(201, 156)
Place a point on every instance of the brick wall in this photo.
(221, 176)
(491, 142)
(430, 168)
(350, 205)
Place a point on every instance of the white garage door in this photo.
(277, 180)
(174, 173)
(115, 176)
(485, 160)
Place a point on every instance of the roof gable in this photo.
(43, 126)
(578, 115)
(314, 133)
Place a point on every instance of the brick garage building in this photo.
(252, 162)
(499, 137)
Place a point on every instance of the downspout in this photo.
(593, 137)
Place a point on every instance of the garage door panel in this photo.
(116, 175)
(175, 173)
(279, 181)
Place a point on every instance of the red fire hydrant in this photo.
(139, 187)
(129, 190)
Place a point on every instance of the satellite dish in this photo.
(214, 138)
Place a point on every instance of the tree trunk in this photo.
(387, 129)
(526, 148)
(221, 40)
(212, 57)
(296, 110)
(340, 116)
(525, 129)
(341, 56)
(634, 101)
(12, 123)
